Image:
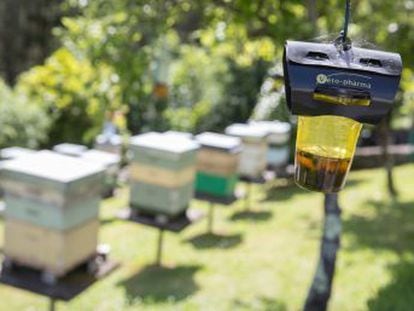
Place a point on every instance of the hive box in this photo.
(48, 250)
(156, 199)
(162, 173)
(217, 164)
(109, 143)
(253, 159)
(278, 141)
(12, 153)
(111, 163)
(51, 190)
(72, 150)
(161, 176)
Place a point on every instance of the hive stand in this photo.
(162, 223)
(65, 288)
(287, 171)
(250, 182)
(214, 200)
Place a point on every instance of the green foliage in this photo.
(75, 93)
(22, 123)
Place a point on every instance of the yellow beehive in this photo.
(52, 251)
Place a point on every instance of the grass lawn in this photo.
(263, 260)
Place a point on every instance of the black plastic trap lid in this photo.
(321, 79)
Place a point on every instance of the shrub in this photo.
(22, 123)
(75, 93)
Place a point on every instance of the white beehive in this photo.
(111, 162)
(278, 141)
(253, 159)
(14, 152)
(109, 143)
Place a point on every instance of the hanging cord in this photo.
(347, 19)
(343, 41)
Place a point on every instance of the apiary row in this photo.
(52, 198)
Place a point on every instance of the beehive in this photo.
(111, 162)
(14, 153)
(52, 205)
(73, 150)
(162, 173)
(109, 143)
(253, 158)
(278, 141)
(217, 164)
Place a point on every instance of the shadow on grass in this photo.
(276, 193)
(262, 304)
(388, 226)
(354, 181)
(250, 215)
(211, 240)
(108, 220)
(155, 284)
(398, 295)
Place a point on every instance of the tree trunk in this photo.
(385, 141)
(320, 291)
(11, 39)
(26, 34)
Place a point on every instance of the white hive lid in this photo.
(179, 134)
(102, 157)
(53, 166)
(219, 141)
(273, 127)
(70, 149)
(15, 152)
(246, 131)
(162, 142)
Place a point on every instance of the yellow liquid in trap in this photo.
(324, 151)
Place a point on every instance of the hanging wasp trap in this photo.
(334, 88)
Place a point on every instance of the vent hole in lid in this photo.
(317, 56)
(371, 62)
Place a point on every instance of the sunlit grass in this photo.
(262, 260)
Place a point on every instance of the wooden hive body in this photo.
(161, 200)
(54, 251)
(52, 190)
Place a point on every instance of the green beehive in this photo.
(216, 185)
(217, 164)
(51, 190)
(163, 155)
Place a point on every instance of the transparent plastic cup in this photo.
(325, 148)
